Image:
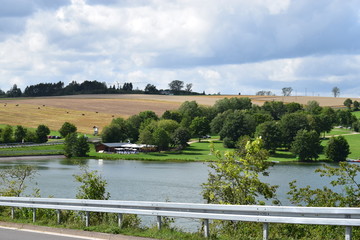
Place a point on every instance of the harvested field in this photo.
(86, 111)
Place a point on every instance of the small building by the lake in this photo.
(124, 148)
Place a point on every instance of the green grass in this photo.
(32, 150)
(339, 131)
(198, 151)
(356, 114)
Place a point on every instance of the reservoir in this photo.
(152, 180)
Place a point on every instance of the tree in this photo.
(347, 103)
(20, 133)
(67, 128)
(336, 91)
(337, 149)
(117, 131)
(275, 108)
(234, 103)
(188, 87)
(313, 107)
(7, 134)
(42, 132)
(306, 145)
(293, 107)
(290, 124)
(76, 146)
(270, 134)
(180, 137)
(14, 91)
(151, 89)
(356, 105)
(287, 91)
(237, 124)
(13, 180)
(200, 126)
(236, 181)
(161, 138)
(176, 85)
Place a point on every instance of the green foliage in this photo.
(117, 131)
(161, 138)
(306, 145)
(356, 105)
(200, 126)
(290, 124)
(234, 103)
(237, 124)
(313, 107)
(93, 186)
(6, 134)
(42, 132)
(67, 128)
(236, 181)
(180, 137)
(20, 133)
(337, 149)
(270, 134)
(13, 180)
(347, 103)
(276, 109)
(293, 107)
(76, 146)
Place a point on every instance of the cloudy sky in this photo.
(228, 46)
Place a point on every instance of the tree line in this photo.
(176, 87)
(295, 127)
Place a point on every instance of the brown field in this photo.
(86, 111)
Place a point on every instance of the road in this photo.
(15, 231)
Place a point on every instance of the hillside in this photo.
(86, 111)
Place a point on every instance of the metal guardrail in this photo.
(347, 217)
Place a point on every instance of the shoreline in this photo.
(34, 157)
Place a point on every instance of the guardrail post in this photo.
(348, 233)
(120, 219)
(265, 231)
(34, 214)
(206, 228)
(12, 213)
(158, 220)
(87, 219)
(58, 213)
(348, 230)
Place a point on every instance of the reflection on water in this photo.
(153, 181)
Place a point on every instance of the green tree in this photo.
(237, 124)
(191, 109)
(180, 137)
(20, 133)
(67, 128)
(161, 138)
(290, 124)
(234, 103)
(275, 108)
(117, 131)
(42, 132)
(236, 181)
(356, 105)
(313, 107)
(306, 145)
(76, 146)
(7, 134)
(270, 134)
(347, 103)
(151, 89)
(14, 180)
(293, 107)
(200, 126)
(173, 115)
(337, 149)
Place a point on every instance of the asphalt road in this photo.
(16, 231)
(16, 234)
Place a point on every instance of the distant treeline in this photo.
(93, 87)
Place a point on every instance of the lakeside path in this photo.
(35, 157)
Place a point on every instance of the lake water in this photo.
(153, 181)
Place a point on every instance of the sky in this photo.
(226, 47)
